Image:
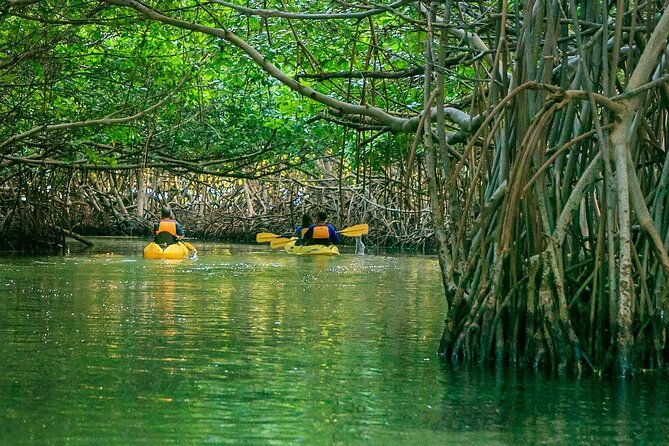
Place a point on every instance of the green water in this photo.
(246, 346)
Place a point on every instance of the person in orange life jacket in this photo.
(322, 233)
(168, 231)
(300, 230)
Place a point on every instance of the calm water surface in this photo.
(247, 346)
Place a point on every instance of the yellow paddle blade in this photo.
(264, 237)
(355, 230)
(279, 242)
(189, 246)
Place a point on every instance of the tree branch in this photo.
(396, 125)
(79, 124)
(267, 13)
(417, 71)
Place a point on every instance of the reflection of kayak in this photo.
(311, 250)
(175, 251)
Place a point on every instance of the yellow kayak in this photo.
(311, 250)
(175, 251)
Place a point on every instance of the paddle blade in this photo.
(189, 246)
(355, 230)
(264, 237)
(279, 242)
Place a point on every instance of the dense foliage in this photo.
(526, 139)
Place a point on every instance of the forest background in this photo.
(524, 141)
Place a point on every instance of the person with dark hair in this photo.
(321, 233)
(301, 229)
(168, 231)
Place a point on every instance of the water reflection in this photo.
(248, 346)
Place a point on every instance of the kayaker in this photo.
(300, 230)
(321, 233)
(168, 231)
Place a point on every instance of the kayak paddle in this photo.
(279, 242)
(355, 230)
(189, 246)
(264, 237)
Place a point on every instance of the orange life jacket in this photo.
(321, 232)
(169, 226)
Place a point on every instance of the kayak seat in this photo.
(317, 241)
(164, 238)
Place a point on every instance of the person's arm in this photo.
(155, 228)
(334, 238)
(179, 229)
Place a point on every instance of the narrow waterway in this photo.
(247, 346)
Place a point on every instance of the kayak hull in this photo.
(311, 250)
(154, 251)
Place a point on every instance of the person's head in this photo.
(322, 216)
(165, 212)
(307, 220)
